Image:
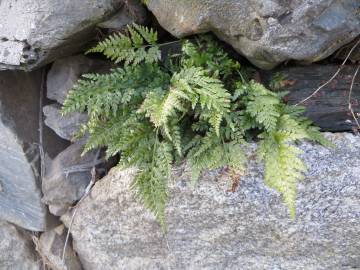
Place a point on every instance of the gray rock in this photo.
(210, 227)
(16, 249)
(65, 72)
(67, 177)
(130, 13)
(267, 32)
(20, 195)
(51, 245)
(33, 33)
(64, 126)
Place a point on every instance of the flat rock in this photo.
(210, 227)
(33, 33)
(20, 195)
(66, 126)
(16, 249)
(67, 177)
(267, 32)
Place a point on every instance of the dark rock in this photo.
(67, 177)
(16, 249)
(210, 227)
(33, 33)
(64, 126)
(267, 32)
(329, 108)
(20, 195)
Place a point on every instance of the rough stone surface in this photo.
(67, 178)
(16, 249)
(130, 13)
(64, 126)
(20, 195)
(65, 72)
(51, 245)
(267, 32)
(33, 33)
(210, 227)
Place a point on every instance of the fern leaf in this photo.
(130, 49)
(283, 167)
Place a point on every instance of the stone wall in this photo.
(43, 172)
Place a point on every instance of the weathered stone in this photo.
(51, 245)
(267, 32)
(65, 126)
(65, 72)
(20, 196)
(350, 51)
(16, 249)
(67, 178)
(33, 33)
(130, 13)
(210, 227)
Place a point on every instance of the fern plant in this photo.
(199, 106)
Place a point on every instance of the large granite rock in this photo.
(33, 33)
(16, 249)
(267, 32)
(20, 195)
(210, 227)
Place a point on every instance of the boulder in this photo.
(51, 245)
(267, 32)
(211, 227)
(16, 249)
(20, 195)
(67, 177)
(33, 33)
(67, 126)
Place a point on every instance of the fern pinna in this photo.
(197, 106)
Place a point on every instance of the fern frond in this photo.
(263, 106)
(130, 49)
(151, 183)
(283, 167)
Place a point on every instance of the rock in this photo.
(344, 51)
(51, 245)
(65, 72)
(64, 126)
(20, 195)
(67, 177)
(16, 249)
(210, 227)
(329, 108)
(267, 32)
(33, 33)
(130, 13)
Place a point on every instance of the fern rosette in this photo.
(197, 106)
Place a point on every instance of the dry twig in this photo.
(350, 93)
(333, 77)
(86, 193)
